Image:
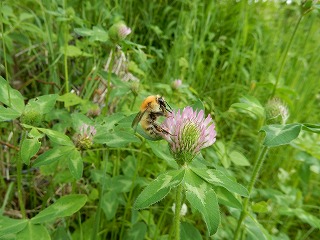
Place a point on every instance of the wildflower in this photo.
(176, 83)
(276, 111)
(85, 137)
(183, 210)
(119, 31)
(189, 133)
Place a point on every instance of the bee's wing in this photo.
(137, 119)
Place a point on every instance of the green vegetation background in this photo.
(221, 50)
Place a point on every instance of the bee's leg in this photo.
(160, 129)
(155, 115)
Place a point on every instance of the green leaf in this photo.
(11, 97)
(218, 178)
(116, 139)
(79, 119)
(189, 232)
(202, 197)
(83, 31)
(70, 99)
(260, 207)
(239, 159)
(34, 231)
(43, 104)
(96, 34)
(7, 114)
(110, 204)
(52, 155)
(63, 207)
(75, 163)
(302, 215)
(121, 183)
(129, 166)
(57, 137)
(74, 51)
(277, 135)
(255, 230)
(227, 198)
(161, 150)
(136, 232)
(29, 147)
(222, 153)
(251, 106)
(159, 188)
(198, 105)
(10, 226)
(99, 34)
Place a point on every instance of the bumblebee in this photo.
(152, 108)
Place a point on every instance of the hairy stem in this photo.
(177, 212)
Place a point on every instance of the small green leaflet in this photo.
(43, 104)
(52, 155)
(75, 163)
(277, 135)
(13, 101)
(109, 205)
(10, 97)
(250, 105)
(7, 114)
(202, 197)
(159, 188)
(10, 226)
(63, 207)
(29, 147)
(189, 232)
(34, 231)
(218, 178)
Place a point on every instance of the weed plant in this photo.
(73, 77)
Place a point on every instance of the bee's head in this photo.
(164, 105)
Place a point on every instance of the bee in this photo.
(152, 108)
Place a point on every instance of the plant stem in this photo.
(65, 46)
(19, 180)
(177, 212)
(96, 225)
(258, 164)
(285, 55)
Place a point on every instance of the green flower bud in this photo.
(31, 117)
(276, 112)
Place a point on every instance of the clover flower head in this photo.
(123, 31)
(276, 111)
(119, 31)
(85, 137)
(176, 83)
(189, 132)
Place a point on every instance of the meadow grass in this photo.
(223, 51)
